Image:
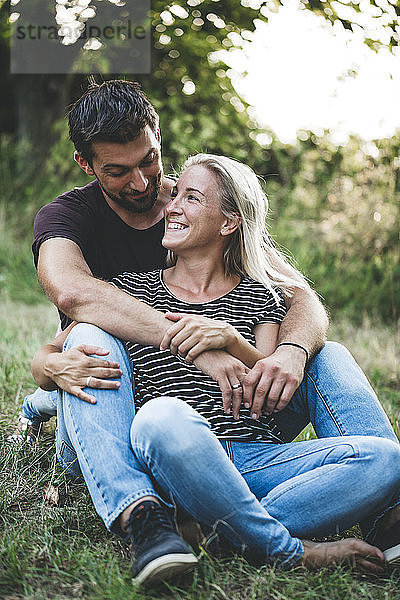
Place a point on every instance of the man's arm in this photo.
(306, 322)
(67, 280)
(272, 382)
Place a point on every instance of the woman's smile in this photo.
(195, 209)
(176, 225)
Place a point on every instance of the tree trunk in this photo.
(41, 102)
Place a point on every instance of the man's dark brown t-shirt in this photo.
(108, 245)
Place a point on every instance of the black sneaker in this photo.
(159, 553)
(389, 542)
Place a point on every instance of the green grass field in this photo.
(63, 551)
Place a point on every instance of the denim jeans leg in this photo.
(99, 434)
(336, 397)
(175, 444)
(321, 487)
(65, 451)
(41, 405)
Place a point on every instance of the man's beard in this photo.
(139, 205)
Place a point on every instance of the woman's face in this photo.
(193, 217)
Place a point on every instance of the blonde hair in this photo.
(249, 250)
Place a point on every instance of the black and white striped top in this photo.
(159, 373)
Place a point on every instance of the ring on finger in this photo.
(236, 386)
(88, 381)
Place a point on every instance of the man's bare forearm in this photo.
(100, 303)
(67, 280)
(306, 322)
(127, 318)
(121, 315)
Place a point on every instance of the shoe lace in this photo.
(146, 521)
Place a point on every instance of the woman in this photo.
(222, 462)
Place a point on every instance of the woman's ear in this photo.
(231, 224)
(84, 165)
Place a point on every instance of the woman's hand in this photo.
(228, 372)
(76, 369)
(351, 550)
(191, 335)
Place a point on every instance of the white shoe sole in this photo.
(165, 567)
(392, 556)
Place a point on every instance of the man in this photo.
(115, 224)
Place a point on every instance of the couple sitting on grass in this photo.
(159, 437)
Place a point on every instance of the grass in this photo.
(62, 552)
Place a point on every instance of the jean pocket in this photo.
(68, 459)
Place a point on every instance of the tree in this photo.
(378, 20)
(189, 83)
(178, 64)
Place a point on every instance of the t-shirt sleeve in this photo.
(60, 220)
(274, 309)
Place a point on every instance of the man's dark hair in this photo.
(113, 111)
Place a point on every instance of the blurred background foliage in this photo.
(334, 208)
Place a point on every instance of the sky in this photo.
(298, 69)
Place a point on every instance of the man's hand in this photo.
(351, 551)
(190, 335)
(271, 383)
(227, 371)
(70, 370)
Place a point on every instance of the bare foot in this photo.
(352, 551)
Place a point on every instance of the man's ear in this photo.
(231, 225)
(158, 135)
(84, 165)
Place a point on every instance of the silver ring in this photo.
(88, 381)
(236, 386)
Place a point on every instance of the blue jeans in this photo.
(41, 405)
(261, 497)
(308, 471)
(334, 396)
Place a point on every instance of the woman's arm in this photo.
(193, 334)
(70, 370)
(266, 335)
(40, 369)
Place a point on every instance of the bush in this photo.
(339, 216)
(26, 184)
